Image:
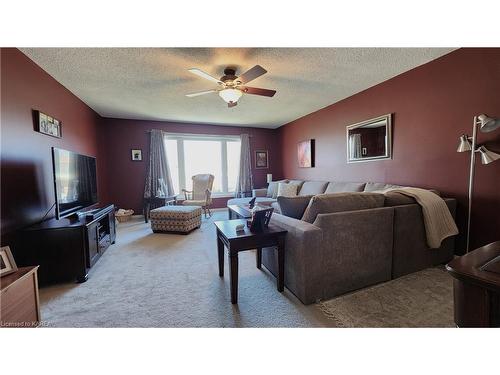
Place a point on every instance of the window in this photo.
(194, 154)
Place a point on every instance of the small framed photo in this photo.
(7, 263)
(261, 159)
(48, 125)
(136, 155)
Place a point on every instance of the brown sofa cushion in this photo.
(293, 206)
(330, 203)
(343, 187)
(313, 188)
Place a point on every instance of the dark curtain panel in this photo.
(158, 180)
(245, 179)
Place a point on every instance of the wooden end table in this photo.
(20, 305)
(476, 287)
(247, 240)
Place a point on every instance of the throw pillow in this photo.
(340, 202)
(293, 206)
(287, 190)
(272, 189)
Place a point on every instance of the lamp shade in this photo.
(269, 178)
(488, 124)
(464, 144)
(487, 156)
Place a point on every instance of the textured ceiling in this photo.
(151, 83)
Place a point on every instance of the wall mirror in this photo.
(370, 140)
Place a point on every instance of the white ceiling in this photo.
(151, 83)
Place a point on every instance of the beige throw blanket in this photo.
(439, 223)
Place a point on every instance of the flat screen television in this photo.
(75, 181)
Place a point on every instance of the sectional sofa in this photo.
(337, 252)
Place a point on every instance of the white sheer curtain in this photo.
(355, 146)
(245, 181)
(158, 179)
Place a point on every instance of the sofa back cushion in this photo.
(343, 187)
(272, 189)
(374, 186)
(293, 206)
(340, 202)
(313, 188)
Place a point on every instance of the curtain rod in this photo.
(200, 134)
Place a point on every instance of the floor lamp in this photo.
(485, 124)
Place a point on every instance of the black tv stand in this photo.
(66, 249)
(88, 214)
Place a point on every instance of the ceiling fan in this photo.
(231, 87)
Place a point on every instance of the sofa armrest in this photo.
(303, 258)
(259, 192)
(295, 226)
(410, 251)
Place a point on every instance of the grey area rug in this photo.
(421, 299)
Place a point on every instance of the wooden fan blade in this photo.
(202, 74)
(258, 91)
(251, 74)
(193, 94)
(232, 104)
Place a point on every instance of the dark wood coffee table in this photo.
(246, 240)
(238, 212)
(476, 287)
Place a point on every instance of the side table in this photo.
(20, 305)
(247, 240)
(476, 287)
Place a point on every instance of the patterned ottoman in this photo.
(180, 219)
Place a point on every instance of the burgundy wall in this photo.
(26, 161)
(126, 177)
(432, 105)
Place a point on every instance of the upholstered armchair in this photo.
(201, 195)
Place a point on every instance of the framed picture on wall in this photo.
(261, 159)
(305, 153)
(136, 155)
(48, 125)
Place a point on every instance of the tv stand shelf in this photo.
(66, 249)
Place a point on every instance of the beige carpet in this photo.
(168, 280)
(422, 299)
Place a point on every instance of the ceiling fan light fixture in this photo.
(229, 85)
(230, 95)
